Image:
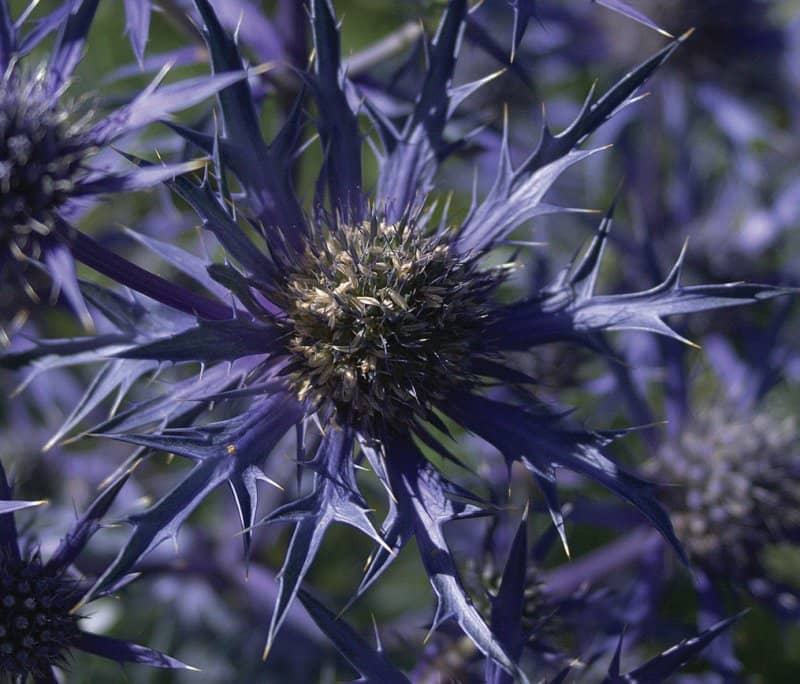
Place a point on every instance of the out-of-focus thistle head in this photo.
(43, 149)
(728, 461)
(36, 625)
(39, 625)
(365, 324)
(737, 485)
(48, 141)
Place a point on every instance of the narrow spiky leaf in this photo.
(335, 498)
(407, 171)
(223, 451)
(369, 663)
(541, 445)
(663, 666)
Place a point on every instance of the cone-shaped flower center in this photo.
(738, 485)
(36, 627)
(383, 322)
(41, 155)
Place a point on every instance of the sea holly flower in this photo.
(740, 486)
(48, 142)
(728, 458)
(735, 466)
(369, 325)
(39, 625)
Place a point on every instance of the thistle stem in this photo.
(594, 566)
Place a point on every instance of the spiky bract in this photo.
(361, 325)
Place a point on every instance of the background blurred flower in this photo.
(47, 142)
(39, 624)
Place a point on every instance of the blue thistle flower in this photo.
(39, 625)
(729, 461)
(736, 464)
(367, 321)
(47, 143)
(739, 490)
(43, 156)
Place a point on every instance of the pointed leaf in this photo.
(210, 341)
(82, 530)
(8, 36)
(492, 220)
(95, 256)
(370, 664)
(515, 197)
(595, 114)
(11, 506)
(338, 125)
(44, 27)
(625, 9)
(265, 176)
(419, 490)
(663, 666)
(524, 11)
(9, 540)
(335, 498)
(507, 606)
(406, 173)
(186, 262)
(126, 652)
(139, 179)
(223, 450)
(541, 446)
(155, 103)
(71, 39)
(230, 235)
(61, 267)
(569, 310)
(137, 26)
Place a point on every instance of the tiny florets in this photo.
(383, 321)
(737, 489)
(36, 625)
(43, 148)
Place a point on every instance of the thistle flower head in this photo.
(46, 143)
(383, 321)
(43, 150)
(37, 627)
(371, 327)
(39, 621)
(738, 490)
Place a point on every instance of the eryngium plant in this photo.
(739, 488)
(39, 623)
(365, 325)
(48, 142)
